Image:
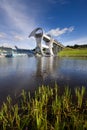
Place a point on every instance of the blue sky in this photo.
(65, 20)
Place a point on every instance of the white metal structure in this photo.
(52, 45)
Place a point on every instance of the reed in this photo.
(80, 94)
(47, 110)
(66, 99)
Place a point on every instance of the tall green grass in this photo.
(47, 110)
(69, 52)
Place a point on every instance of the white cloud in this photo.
(18, 38)
(20, 22)
(26, 43)
(57, 32)
(2, 35)
(17, 15)
(79, 41)
(6, 44)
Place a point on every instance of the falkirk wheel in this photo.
(52, 46)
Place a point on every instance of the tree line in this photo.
(77, 46)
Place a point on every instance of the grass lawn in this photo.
(69, 52)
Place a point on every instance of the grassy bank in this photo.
(69, 52)
(47, 110)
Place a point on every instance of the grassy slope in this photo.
(73, 52)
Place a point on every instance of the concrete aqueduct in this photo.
(52, 46)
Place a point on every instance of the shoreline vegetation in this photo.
(47, 110)
(73, 52)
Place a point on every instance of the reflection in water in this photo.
(46, 67)
(46, 70)
(30, 72)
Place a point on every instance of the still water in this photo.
(30, 72)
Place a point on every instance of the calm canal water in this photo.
(30, 72)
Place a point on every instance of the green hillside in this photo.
(70, 52)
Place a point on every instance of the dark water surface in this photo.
(30, 72)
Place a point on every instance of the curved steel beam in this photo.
(36, 32)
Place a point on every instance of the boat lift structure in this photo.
(53, 46)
